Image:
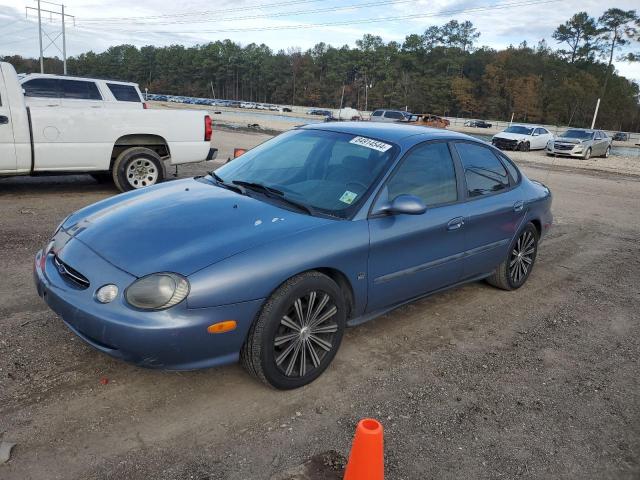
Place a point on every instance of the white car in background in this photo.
(523, 138)
(45, 90)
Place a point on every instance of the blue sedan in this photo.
(270, 257)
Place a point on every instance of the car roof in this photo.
(31, 76)
(390, 132)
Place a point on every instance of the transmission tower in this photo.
(52, 41)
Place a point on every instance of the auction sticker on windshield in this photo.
(348, 197)
(370, 143)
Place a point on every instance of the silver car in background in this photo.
(581, 143)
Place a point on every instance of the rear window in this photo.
(124, 93)
(81, 90)
(483, 171)
(41, 87)
(377, 113)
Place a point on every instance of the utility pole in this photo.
(595, 115)
(52, 41)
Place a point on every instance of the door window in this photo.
(426, 172)
(394, 115)
(124, 93)
(41, 87)
(377, 113)
(80, 90)
(482, 170)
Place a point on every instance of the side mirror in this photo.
(403, 204)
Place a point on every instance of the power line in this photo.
(519, 3)
(208, 12)
(271, 15)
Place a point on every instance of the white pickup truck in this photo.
(132, 146)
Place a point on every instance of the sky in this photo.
(284, 23)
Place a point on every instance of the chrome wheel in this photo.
(522, 257)
(141, 172)
(306, 334)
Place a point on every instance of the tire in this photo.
(102, 177)
(527, 146)
(512, 273)
(587, 154)
(137, 167)
(268, 361)
(607, 152)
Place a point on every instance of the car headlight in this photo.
(157, 291)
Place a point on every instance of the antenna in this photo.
(52, 41)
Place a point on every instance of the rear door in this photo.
(494, 209)
(8, 158)
(411, 255)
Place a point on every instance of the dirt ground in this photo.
(473, 383)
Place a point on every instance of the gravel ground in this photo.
(471, 383)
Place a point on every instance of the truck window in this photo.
(124, 93)
(79, 89)
(41, 87)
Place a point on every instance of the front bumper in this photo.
(505, 144)
(173, 339)
(551, 150)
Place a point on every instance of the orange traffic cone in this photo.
(366, 460)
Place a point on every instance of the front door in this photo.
(8, 159)
(411, 255)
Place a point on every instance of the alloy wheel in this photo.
(305, 334)
(522, 256)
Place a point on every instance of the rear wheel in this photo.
(137, 167)
(298, 332)
(514, 271)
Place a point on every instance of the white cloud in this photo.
(498, 28)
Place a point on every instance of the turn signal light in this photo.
(222, 327)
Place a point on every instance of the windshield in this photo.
(330, 172)
(519, 129)
(581, 134)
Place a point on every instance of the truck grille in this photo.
(70, 275)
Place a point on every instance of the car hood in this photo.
(511, 136)
(181, 226)
(574, 141)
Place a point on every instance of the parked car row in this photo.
(575, 142)
(217, 102)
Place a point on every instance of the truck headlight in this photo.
(157, 291)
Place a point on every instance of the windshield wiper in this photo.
(258, 186)
(220, 182)
(274, 192)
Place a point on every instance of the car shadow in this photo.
(55, 184)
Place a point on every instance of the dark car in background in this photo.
(381, 115)
(621, 137)
(477, 124)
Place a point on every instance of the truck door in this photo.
(8, 158)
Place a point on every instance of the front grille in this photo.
(505, 143)
(560, 146)
(69, 274)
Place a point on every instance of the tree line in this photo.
(440, 71)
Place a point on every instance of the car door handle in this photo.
(455, 223)
(518, 206)
(4, 120)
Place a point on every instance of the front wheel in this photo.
(137, 167)
(514, 271)
(607, 152)
(297, 333)
(587, 154)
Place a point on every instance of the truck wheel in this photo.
(137, 167)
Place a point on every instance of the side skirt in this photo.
(378, 313)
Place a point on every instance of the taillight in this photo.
(144, 105)
(208, 129)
